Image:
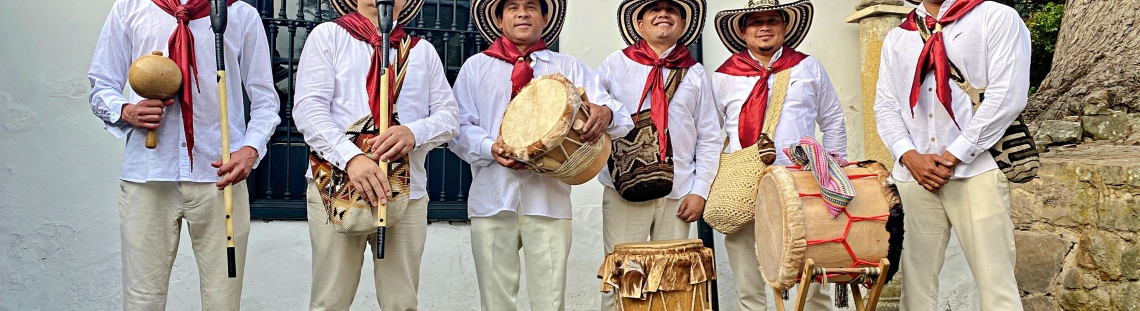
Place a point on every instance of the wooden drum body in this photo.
(542, 126)
(793, 223)
(659, 275)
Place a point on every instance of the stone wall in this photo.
(1078, 227)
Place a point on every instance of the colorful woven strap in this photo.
(834, 185)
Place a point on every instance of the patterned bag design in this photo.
(348, 210)
(1016, 152)
(635, 165)
(732, 200)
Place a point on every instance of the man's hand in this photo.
(929, 170)
(692, 206)
(237, 169)
(497, 152)
(146, 114)
(600, 117)
(952, 159)
(366, 177)
(394, 143)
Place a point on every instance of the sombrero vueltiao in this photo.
(799, 14)
(484, 13)
(692, 11)
(411, 9)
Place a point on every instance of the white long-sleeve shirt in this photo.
(694, 126)
(810, 100)
(331, 95)
(991, 46)
(135, 28)
(483, 90)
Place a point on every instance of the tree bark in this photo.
(1097, 61)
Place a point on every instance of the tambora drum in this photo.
(793, 223)
(542, 126)
(659, 275)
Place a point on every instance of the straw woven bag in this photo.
(732, 199)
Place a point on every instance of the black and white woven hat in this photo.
(692, 11)
(411, 9)
(484, 13)
(799, 14)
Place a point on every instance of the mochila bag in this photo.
(732, 199)
(348, 210)
(636, 168)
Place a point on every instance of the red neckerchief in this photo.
(752, 113)
(642, 53)
(181, 50)
(933, 56)
(360, 28)
(506, 51)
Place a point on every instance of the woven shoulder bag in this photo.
(732, 199)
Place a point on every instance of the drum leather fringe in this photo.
(895, 220)
(636, 275)
(841, 295)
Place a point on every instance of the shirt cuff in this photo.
(257, 142)
(900, 147)
(485, 149)
(344, 152)
(701, 188)
(964, 150)
(419, 133)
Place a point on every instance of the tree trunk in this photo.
(1097, 62)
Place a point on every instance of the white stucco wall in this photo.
(59, 221)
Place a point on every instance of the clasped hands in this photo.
(932, 171)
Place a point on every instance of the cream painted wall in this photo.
(59, 224)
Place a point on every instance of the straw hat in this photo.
(692, 12)
(411, 9)
(799, 15)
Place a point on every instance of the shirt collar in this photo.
(941, 10)
(775, 57)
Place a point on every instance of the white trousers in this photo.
(750, 285)
(977, 209)
(338, 258)
(152, 214)
(625, 222)
(545, 243)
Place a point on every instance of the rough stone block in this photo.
(1039, 259)
(1112, 127)
(1074, 300)
(1125, 297)
(863, 4)
(1084, 205)
(1039, 303)
(1134, 176)
(1118, 211)
(1101, 251)
(1025, 206)
(1097, 103)
(1130, 263)
(1113, 175)
(1133, 137)
(1055, 132)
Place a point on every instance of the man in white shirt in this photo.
(763, 38)
(181, 177)
(946, 176)
(660, 187)
(335, 89)
(512, 208)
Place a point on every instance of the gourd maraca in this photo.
(154, 77)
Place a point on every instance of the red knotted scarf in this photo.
(642, 53)
(752, 113)
(506, 51)
(933, 56)
(360, 28)
(181, 51)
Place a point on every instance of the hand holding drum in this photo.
(154, 77)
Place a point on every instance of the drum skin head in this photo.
(538, 117)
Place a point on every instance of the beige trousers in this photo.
(338, 258)
(977, 209)
(625, 222)
(750, 285)
(152, 214)
(545, 243)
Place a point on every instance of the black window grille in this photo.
(277, 187)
